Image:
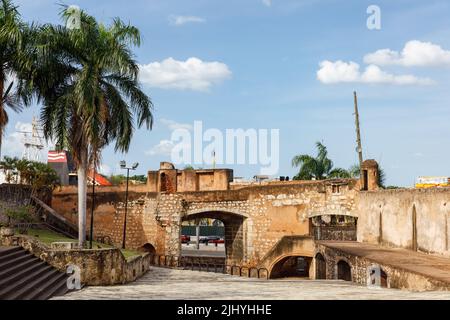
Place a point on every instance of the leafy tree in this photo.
(13, 60)
(319, 167)
(36, 174)
(91, 92)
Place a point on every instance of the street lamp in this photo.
(123, 165)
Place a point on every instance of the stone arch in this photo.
(236, 227)
(384, 279)
(191, 212)
(343, 270)
(163, 185)
(148, 247)
(321, 266)
(275, 268)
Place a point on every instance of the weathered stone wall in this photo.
(255, 217)
(396, 277)
(416, 219)
(97, 267)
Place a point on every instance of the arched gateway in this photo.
(236, 225)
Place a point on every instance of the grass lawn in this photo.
(48, 236)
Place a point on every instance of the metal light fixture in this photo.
(123, 165)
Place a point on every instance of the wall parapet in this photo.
(98, 267)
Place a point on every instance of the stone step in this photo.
(47, 290)
(25, 277)
(32, 287)
(12, 268)
(20, 283)
(20, 274)
(11, 255)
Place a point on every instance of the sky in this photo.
(287, 65)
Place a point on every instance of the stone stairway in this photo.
(25, 277)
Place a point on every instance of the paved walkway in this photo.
(160, 283)
(432, 266)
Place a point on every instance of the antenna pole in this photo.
(358, 134)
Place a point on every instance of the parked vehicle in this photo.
(185, 239)
(217, 240)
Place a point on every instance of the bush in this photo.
(23, 214)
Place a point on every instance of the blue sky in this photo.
(287, 64)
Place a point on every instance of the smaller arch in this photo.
(384, 279)
(291, 265)
(344, 270)
(163, 182)
(148, 247)
(321, 266)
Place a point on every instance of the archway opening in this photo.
(344, 271)
(321, 267)
(148, 247)
(384, 279)
(334, 227)
(163, 180)
(292, 267)
(220, 236)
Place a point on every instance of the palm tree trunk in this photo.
(82, 189)
(2, 124)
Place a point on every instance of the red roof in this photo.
(100, 180)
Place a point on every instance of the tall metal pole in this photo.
(358, 135)
(91, 233)
(126, 207)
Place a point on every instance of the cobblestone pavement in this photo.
(160, 283)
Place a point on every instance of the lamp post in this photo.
(123, 165)
(91, 232)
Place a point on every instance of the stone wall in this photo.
(98, 267)
(396, 277)
(416, 219)
(255, 217)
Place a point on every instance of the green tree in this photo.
(13, 62)
(319, 167)
(8, 166)
(91, 94)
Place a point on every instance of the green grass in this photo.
(48, 236)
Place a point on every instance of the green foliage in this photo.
(139, 178)
(87, 79)
(117, 179)
(120, 179)
(319, 167)
(23, 214)
(36, 174)
(13, 60)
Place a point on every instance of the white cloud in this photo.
(349, 72)
(105, 169)
(415, 53)
(192, 74)
(181, 20)
(163, 148)
(267, 3)
(173, 125)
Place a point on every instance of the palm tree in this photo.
(317, 168)
(13, 62)
(91, 92)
